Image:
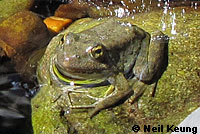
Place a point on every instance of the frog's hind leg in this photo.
(152, 59)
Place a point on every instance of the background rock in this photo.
(21, 35)
(10, 7)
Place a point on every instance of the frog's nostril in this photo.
(76, 56)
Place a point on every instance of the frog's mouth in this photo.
(71, 80)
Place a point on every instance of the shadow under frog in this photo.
(113, 52)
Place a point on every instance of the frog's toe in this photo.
(110, 90)
(94, 98)
(82, 106)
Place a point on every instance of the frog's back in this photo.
(112, 33)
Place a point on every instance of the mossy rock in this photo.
(10, 7)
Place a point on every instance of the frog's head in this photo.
(81, 59)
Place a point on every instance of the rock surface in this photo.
(10, 7)
(21, 34)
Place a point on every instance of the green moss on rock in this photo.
(10, 7)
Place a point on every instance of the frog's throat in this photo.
(78, 82)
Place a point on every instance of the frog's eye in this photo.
(97, 52)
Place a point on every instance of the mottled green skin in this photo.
(177, 93)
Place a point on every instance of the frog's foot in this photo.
(101, 103)
(98, 106)
(67, 93)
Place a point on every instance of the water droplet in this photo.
(71, 83)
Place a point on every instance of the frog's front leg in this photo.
(122, 91)
(152, 59)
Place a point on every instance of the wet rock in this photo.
(10, 7)
(119, 8)
(22, 34)
(79, 9)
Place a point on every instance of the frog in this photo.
(106, 51)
